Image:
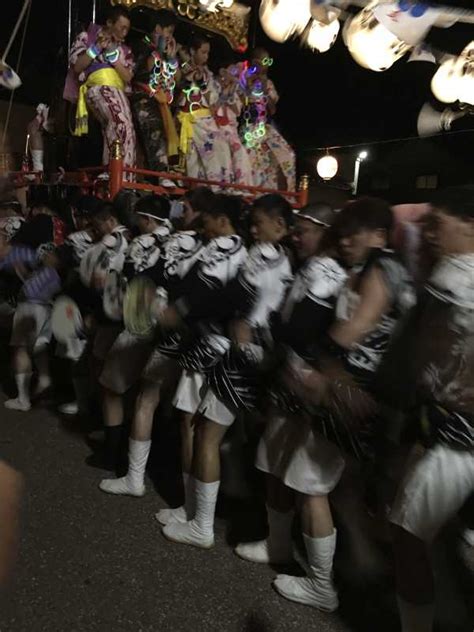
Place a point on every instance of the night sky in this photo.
(347, 103)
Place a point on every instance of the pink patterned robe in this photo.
(109, 105)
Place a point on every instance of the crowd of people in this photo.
(306, 329)
(219, 127)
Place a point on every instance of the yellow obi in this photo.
(187, 120)
(102, 77)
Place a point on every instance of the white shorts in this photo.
(193, 395)
(437, 483)
(300, 457)
(31, 326)
(216, 410)
(189, 392)
(125, 362)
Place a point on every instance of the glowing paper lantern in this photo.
(465, 70)
(327, 167)
(281, 19)
(445, 83)
(370, 43)
(322, 36)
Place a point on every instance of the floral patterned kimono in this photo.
(208, 155)
(108, 103)
(227, 120)
(269, 152)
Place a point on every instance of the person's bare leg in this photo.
(22, 360)
(206, 470)
(415, 584)
(139, 444)
(317, 589)
(22, 368)
(206, 459)
(277, 547)
(112, 408)
(146, 405)
(187, 441)
(316, 516)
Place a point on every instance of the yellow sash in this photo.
(102, 77)
(172, 138)
(187, 120)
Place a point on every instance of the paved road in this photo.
(90, 562)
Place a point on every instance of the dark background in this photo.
(326, 99)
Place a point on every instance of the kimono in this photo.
(207, 153)
(269, 152)
(105, 96)
(153, 93)
(227, 120)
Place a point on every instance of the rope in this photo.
(388, 140)
(15, 30)
(20, 55)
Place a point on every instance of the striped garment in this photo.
(42, 286)
(19, 255)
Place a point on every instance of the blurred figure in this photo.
(440, 476)
(36, 129)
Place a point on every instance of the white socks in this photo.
(22, 401)
(414, 617)
(199, 531)
(316, 590)
(184, 513)
(277, 548)
(133, 484)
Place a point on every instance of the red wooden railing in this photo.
(121, 177)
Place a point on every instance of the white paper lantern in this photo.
(445, 82)
(465, 70)
(327, 167)
(371, 44)
(322, 36)
(281, 19)
(407, 27)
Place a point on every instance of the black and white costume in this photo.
(128, 355)
(290, 449)
(255, 297)
(441, 478)
(201, 304)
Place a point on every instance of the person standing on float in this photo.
(101, 69)
(273, 160)
(206, 151)
(154, 83)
